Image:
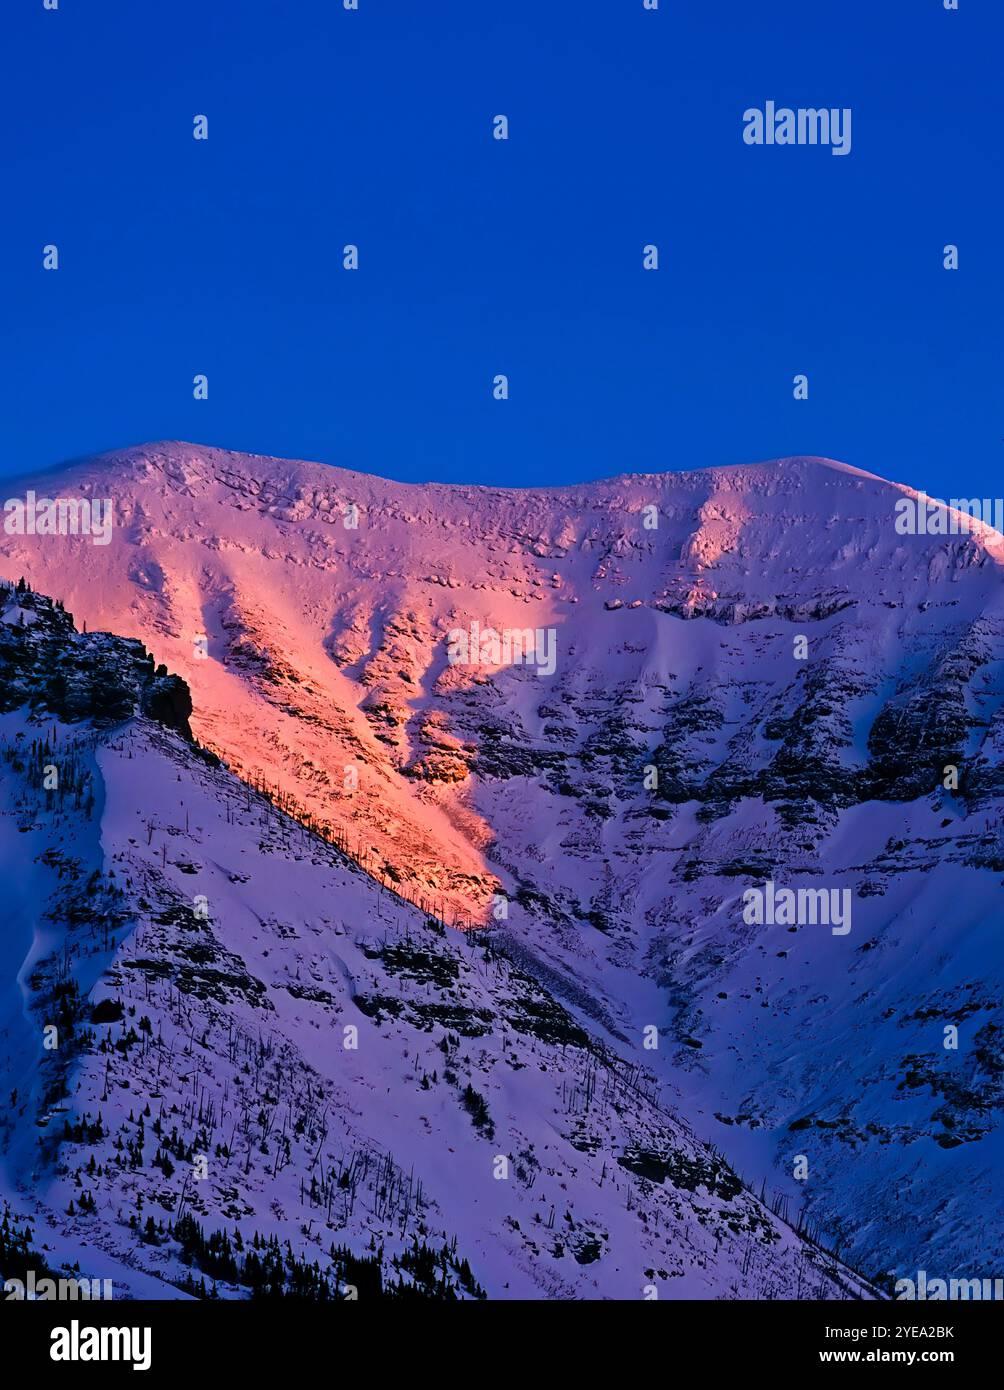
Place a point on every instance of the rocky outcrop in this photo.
(50, 667)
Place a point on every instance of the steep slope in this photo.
(755, 676)
(234, 1059)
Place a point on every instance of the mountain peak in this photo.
(193, 461)
(589, 721)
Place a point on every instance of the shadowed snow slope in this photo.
(224, 1042)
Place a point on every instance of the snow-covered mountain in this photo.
(222, 1040)
(742, 674)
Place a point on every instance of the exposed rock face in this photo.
(53, 669)
(168, 700)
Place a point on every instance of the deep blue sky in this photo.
(523, 257)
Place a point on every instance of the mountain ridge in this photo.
(130, 453)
